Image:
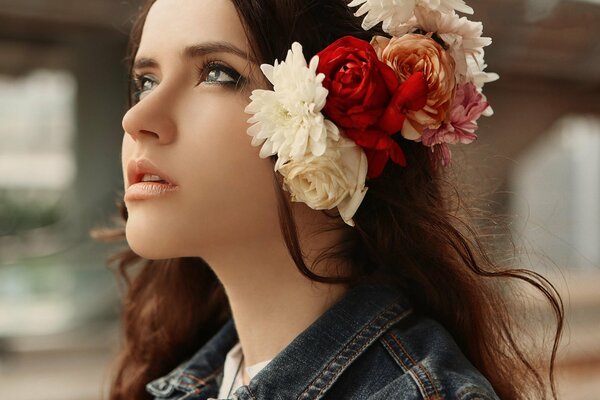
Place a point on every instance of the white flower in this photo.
(391, 12)
(354, 161)
(397, 12)
(288, 119)
(319, 166)
(447, 6)
(476, 74)
(333, 179)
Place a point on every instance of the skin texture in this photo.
(226, 208)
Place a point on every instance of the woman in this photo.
(332, 262)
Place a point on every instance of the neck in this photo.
(269, 315)
(270, 300)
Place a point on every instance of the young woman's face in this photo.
(190, 123)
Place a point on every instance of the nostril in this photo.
(149, 132)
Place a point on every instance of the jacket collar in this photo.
(311, 362)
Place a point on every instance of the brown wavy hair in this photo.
(412, 229)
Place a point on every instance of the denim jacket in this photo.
(370, 345)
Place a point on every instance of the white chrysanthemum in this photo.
(288, 120)
(397, 12)
(447, 6)
(475, 71)
(334, 179)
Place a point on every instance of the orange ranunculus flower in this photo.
(412, 53)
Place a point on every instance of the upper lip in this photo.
(136, 169)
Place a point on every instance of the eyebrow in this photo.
(199, 50)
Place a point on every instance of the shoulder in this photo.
(416, 358)
(430, 360)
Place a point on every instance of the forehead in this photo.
(174, 24)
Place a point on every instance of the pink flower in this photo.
(461, 122)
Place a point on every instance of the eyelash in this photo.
(206, 66)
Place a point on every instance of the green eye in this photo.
(213, 72)
(141, 84)
(216, 73)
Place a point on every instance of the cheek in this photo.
(226, 174)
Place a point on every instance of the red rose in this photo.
(366, 99)
(379, 147)
(377, 141)
(360, 86)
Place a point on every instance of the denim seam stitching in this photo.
(360, 335)
(199, 381)
(380, 323)
(420, 368)
(407, 369)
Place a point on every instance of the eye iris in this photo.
(146, 84)
(214, 74)
(211, 75)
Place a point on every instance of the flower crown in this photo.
(333, 122)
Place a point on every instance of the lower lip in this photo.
(149, 190)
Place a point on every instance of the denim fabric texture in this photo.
(370, 345)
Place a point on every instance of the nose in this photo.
(152, 118)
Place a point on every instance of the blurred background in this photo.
(62, 97)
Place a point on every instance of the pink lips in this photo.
(138, 190)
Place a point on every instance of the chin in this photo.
(151, 243)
